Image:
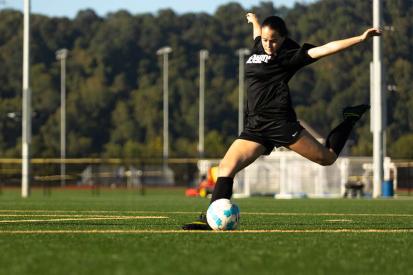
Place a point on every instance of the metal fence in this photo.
(102, 172)
(286, 174)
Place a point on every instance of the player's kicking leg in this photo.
(310, 148)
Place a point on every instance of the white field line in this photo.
(328, 214)
(87, 219)
(205, 232)
(342, 220)
(192, 212)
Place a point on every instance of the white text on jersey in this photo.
(258, 58)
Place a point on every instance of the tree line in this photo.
(114, 83)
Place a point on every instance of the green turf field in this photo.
(121, 232)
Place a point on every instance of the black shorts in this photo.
(272, 133)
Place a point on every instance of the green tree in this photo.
(114, 85)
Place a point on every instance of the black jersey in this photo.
(267, 79)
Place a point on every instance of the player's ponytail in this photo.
(276, 23)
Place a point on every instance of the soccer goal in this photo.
(285, 174)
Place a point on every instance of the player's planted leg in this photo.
(222, 190)
(239, 155)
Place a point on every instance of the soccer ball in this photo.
(223, 215)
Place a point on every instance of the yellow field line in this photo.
(87, 219)
(193, 212)
(59, 215)
(99, 212)
(206, 232)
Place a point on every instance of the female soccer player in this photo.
(270, 120)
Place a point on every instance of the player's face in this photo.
(271, 40)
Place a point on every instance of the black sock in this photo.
(223, 189)
(339, 135)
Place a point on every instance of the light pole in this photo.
(241, 73)
(378, 108)
(62, 55)
(164, 51)
(26, 117)
(203, 55)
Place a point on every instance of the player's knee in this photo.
(326, 162)
(327, 159)
(226, 169)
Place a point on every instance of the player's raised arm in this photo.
(339, 45)
(252, 18)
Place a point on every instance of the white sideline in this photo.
(193, 212)
(87, 219)
(206, 232)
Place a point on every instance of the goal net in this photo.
(285, 174)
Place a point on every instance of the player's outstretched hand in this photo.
(252, 18)
(370, 33)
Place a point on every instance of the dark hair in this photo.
(275, 23)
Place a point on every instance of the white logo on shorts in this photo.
(295, 134)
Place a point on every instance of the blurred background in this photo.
(110, 59)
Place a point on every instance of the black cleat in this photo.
(355, 112)
(200, 224)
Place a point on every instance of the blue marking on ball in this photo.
(228, 213)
